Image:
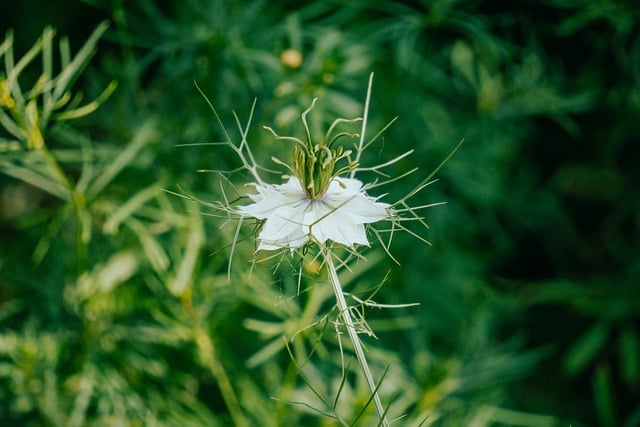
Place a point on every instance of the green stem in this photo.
(345, 313)
(208, 356)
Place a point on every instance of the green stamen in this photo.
(314, 164)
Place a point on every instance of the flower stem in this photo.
(207, 353)
(345, 313)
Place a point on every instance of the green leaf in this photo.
(585, 349)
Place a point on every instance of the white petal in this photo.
(345, 194)
(344, 186)
(272, 197)
(290, 217)
(340, 228)
(365, 210)
(293, 186)
(283, 228)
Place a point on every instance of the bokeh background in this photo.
(116, 305)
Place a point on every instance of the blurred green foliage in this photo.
(115, 305)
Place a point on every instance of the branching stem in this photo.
(353, 334)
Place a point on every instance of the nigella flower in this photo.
(321, 203)
(292, 218)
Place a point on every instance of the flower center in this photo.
(314, 167)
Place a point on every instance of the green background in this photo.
(116, 308)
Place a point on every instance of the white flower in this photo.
(292, 218)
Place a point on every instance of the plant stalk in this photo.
(208, 356)
(353, 335)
